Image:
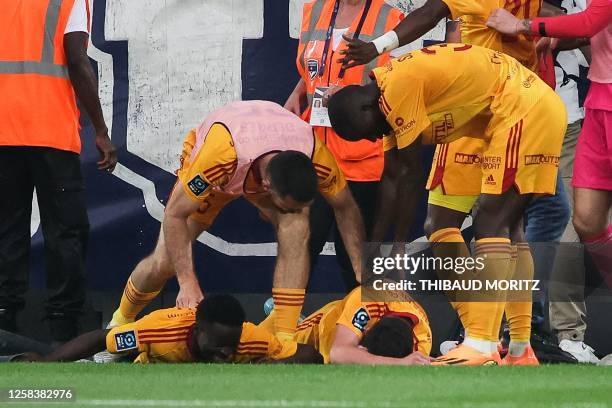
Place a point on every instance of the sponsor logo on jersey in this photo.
(443, 128)
(361, 319)
(529, 81)
(541, 159)
(465, 158)
(126, 340)
(313, 68)
(404, 127)
(491, 162)
(197, 185)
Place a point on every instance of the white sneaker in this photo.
(581, 352)
(105, 357)
(447, 346)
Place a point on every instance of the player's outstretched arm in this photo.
(350, 225)
(179, 247)
(415, 25)
(86, 345)
(346, 350)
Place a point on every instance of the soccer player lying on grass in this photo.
(215, 332)
(369, 327)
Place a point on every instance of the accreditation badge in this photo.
(318, 112)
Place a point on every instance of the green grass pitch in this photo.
(201, 385)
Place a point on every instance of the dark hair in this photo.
(390, 337)
(222, 309)
(341, 108)
(292, 174)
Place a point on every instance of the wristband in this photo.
(386, 42)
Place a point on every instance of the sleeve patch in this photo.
(126, 340)
(361, 319)
(197, 185)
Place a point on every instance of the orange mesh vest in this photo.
(37, 102)
(362, 160)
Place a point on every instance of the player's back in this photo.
(160, 336)
(459, 87)
(475, 31)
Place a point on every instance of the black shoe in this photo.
(548, 351)
(8, 320)
(62, 327)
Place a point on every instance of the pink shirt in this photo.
(257, 128)
(596, 23)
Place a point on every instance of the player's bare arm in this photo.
(416, 24)
(402, 187)
(178, 244)
(350, 225)
(346, 350)
(84, 346)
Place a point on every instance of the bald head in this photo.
(355, 115)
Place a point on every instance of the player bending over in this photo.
(369, 327)
(215, 332)
(455, 178)
(264, 153)
(443, 93)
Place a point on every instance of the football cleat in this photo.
(527, 359)
(447, 346)
(467, 356)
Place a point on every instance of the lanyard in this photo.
(330, 31)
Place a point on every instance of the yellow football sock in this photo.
(132, 303)
(268, 322)
(287, 307)
(449, 242)
(487, 308)
(518, 305)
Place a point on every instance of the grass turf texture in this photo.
(200, 385)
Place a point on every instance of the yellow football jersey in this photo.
(359, 311)
(216, 163)
(450, 91)
(474, 14)
(163, 337)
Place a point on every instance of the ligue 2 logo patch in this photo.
(361, 319)
(126, 340)
(197, 185)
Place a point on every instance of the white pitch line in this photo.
(226, 403)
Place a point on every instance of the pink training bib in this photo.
(257, 128)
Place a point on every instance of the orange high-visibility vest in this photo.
(362, 160)
(37, 103)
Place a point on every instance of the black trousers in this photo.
(322, 221)
(56, 174)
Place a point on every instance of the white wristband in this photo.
(386, 42)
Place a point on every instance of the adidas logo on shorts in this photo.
(490, 180)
